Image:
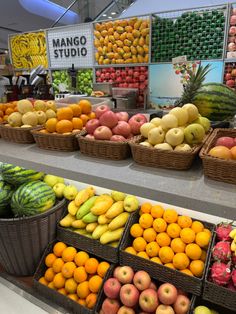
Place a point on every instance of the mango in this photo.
(84, 195)
(143, 25)
(123, 36)
(111, 38)
(101, 207)
(140, 59)
(140, 50)
(137, 24)
(130, 37)
(146, 58)
(127, 55)
(135, 42)
(97, 43)
(111, 236)
(101, 41)
(110, 31)
(104, 33)
(72, 208)
(90, 217)
(132, 21)
(126, 49)
(133, 50)
(116, 209)
(98, 26)
(128, 29)
(136, 33)
(81, 231)
(141, 41)
(97, 34)
(120, 29)
(130, 60)
(144, 32)
(78, 224)
(91, 227)
(146, 48)
(102, 220)
(67, 220)
(106, 40)
(119, 221)
(106, 61)
(86, 207)
(127, 42)
(98, 232)
(116, 35)
(114, 244)
(120, 43)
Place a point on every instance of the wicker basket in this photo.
(17, 135)
(217, 294)
(217, 168)
(60, 142)
(103, 149)
(23, 240)
(199, 301)
(57, 297)
(191, 284)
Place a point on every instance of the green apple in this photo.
(169, 121)
(50, 180)
(147, 144)
(164, 146)
(204, 122)
(131, 203)
(70, 192)
(118, 196)
(192, 112)
(156, 121)
(145, 128)
(174, 136)
(156, 135)
(201, 310)
(181, 114)
(183, 147)
(59, 189)
(194, 133)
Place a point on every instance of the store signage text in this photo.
(70, 47)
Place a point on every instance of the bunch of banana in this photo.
(233, 244)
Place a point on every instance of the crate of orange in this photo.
(60, 132)
(171, 247)
(70, 277)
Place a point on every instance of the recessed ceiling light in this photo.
(113, 13)
(109, 17)
(104, 15)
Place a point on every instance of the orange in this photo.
(85, 105)
(159, 225)
(64, 126)
(73, 297)
(77, 123)
(65, 113)
(197, 226)
(84, 118)
(83, 290)
(68, 269)
(170, 265)
(1, 119)
(91, 265)
(197, 268)
(166, 254)
(157, 211)
(163, 239)
(1, 113)
(143, 255)
(146, 221)
(80, 258)
(62, 291)
(51, 285)
(177, 245)
(193, 251)
(80, 274)
(146, 208)
(181, 261)
(68, 254)
(5, 118)
(82, 302)
(207, 231)
(152, 249)
(59, 281)
(71, 285)
(76, 110)
(43, 281)
(187, 272)
(136, 231)
(149, 235)
(49, 274)
(51, 125)
(170, 216)
(139, 244)
(57, 265)
(95, 283)
(173, 230)
(187, 235)
(130, 250)
(91, 300)
(102, 269)
(203, 256)
(92, 115)
(9, 111)
(184, 221)
(203, 238)
(50, 258)
(156, 260)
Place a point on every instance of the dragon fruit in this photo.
(233, 277)
(223, 231)
(220, 273)
(221, 251)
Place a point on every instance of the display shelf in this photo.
(189, 189)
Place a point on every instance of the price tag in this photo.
(179, 59)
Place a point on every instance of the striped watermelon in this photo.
(18, 175)
(32, 198)
(215, 101)
(6, 192)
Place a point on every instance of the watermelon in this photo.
(32, 198)
(215, 101)
(6, 191)
(17, 175)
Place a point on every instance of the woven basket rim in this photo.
(3, 125)
(36, 132)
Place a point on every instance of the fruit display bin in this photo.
(217, 308)
(57, 297)
(231, 44)
(59, 142)
(230, 74)
(23, 240)
(17, 135)
(218, 294)
(217, 168)
(188, 283)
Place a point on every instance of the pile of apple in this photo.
(127, 77)
(128, 292)
(230, 74)
(225, 148)
(178, 130)
(113, 126)
(232, 34)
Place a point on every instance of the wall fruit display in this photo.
(171, 35)
(231, 46)
(29, 50)
(230, 74)
(122, 41)
(85, 81)
(61, 81)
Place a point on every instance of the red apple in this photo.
(225, 141)
(108, 119)
(122, 128)
(102, 133)
(148, 300)
(230, 83)
(164, 309)
(98, 73)
(167, 294)
(142, 280)
(152, 286)
(136, 74)
(90, 136)
(232, 30)
(231, 47)
(91, 125)
(101, 110)
(233, 20)
(112, 288)
(125, 310)
(122, 116)
(110, 306)
(116, 270)
(118, 72)
(129, 295)
(118, 138)
(142, 78)
(130, 136)
(136, 121)
(125, 274)
(181, 305)
(228, 76)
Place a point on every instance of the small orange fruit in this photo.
(9, 111)
(82, 302)
(170, 265)
(77, 123)
(43, 281)
(84, 118)
(197, 268)
(152, 249)
(50, 259)
(149, 235)
(159, 225)
(187, 272)
(197, 226)
(51, 124)
(91, 265)
(80, 274)
(184, 221)
(170, 216)
(64, 126)
(207, 231)
(156, 260)
(95, 283)
(203, 239)
(49, 274)
(146, 221)
(59, 281)
(157, 211)
(68, 269)
(51, 285)
(163, 239)
(57, 265)
(203, 256)
(5, 118)
(139, 244)
(70, 285)
(92, 115)
(83, 290)
(73, 297)
(173, 230)
(193, 251)
(65, 113)
(68, 254)
(1, 114)
(146, 208)
(130, 250)
(76, 110)
(62, 291)
(181, 261)
(166, 254)
(85, 105)
(80, 258)
(187, 235)
(102, 269)
(178, 246)
(143, 255)
(91, 300)
(136, 230)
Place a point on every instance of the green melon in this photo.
(6, 191)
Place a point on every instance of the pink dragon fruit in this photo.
(220, 273)
(231, 286)
(233, 277)
(223, 231)
(222, 252)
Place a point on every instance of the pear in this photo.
(58, 188)
(24, 106)
(131, 203)
(15, 119)
(30, 118)
(41, 117)
(51, 180)
(118, 196)
(51, 105)
(40, 105)
(50, 114)
(26, 126)
(70, 192)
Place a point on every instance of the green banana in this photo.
(85, 208)
(90, 217)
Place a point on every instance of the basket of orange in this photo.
(59, 132)
(71, 278)
(172, 248)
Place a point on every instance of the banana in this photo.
(232, 233)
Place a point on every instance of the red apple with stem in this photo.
(129, 295)
(167, 294)
(100, 110)
(148, 300)
(91, 125)
(102, 133)
(136, 122)
(112, 288)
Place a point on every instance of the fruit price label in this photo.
(72, 44)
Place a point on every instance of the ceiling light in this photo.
(109, 17)
(104, 15)
(113, 13)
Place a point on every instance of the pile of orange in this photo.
(70, 119)
(166, 238)
(74, 274)
(7, 109)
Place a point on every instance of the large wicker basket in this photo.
(17, 135)
(217, 168)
